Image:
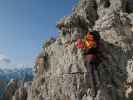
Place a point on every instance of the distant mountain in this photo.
(22, 73)
(17, 74)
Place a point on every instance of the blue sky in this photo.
(25, 24)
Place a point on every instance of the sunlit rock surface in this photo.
(63, 74)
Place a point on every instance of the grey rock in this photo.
(66, 76)
(10, 90)
(20, 94)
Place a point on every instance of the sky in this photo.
(24, 25)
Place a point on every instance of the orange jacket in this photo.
(89, 41)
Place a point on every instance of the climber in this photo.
(90, 47)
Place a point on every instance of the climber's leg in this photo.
(91, 78)
(96, 73)
(97, 79)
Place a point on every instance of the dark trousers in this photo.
(91, 66)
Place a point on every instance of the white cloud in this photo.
(7, 63)
(4, 59)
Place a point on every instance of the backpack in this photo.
(80, 43)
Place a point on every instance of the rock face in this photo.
(12, 80)
(63, 74)
(22, 92)
(10, 90)
(2, 87)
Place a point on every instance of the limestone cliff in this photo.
(62, 74)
